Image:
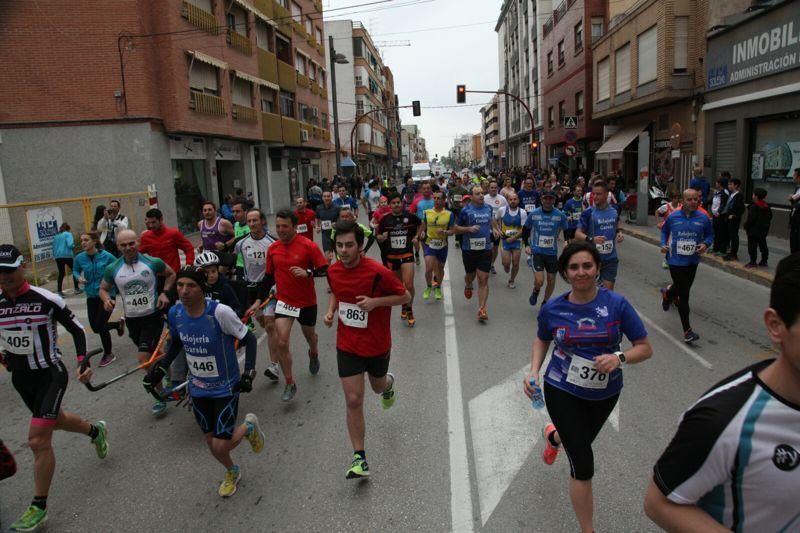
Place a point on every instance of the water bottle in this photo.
(537, 400)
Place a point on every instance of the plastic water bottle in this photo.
(537, 400)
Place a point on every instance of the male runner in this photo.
(348, 216)
(507, 224)
(344, 201)
(306, 219)
(598, 224)
(29, 317)
(214, 230)
(292, 263)
(475, 222)
(455, 197)
(686, 235)
(134, 276)
(421, 203)
(529, 197)
(400, 230)
(362, 294)
(163, 242)
(240, 229)
(573, 208)
(327, 215)
(207, 330)
(372, 198)
(494, 200)
(437, 226)
(541, 242)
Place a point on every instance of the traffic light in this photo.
(534, 145)
(461, 94)
(415, 108)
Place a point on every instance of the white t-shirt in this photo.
(495, 202)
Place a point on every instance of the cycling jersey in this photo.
(402, 229)
(545, 227)
(136, 283)
(480, 216)
(582, 332)
(685, 234)
(529, 200)
(601, 222)
(28, 329)
(92, 268)
(573, 209)
(254, 254)
(300, 252)
(436, 222)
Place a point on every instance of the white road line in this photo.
(460, 486)
(679, 344)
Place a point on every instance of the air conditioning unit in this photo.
(304, 136)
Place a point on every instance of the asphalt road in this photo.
(459, 451)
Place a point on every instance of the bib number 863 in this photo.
(355, 314)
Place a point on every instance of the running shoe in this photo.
(254, 434)
(467, 292)
(437, 292)
(403, 312)
(107, 359)
(426, 293)
(411, 321)
(121, 327)
(690, 336)
(387, 396)
(665, 301)
(313, 363)
(550, 452)
(483, 316)
(750, 265)
(358, 468)
(534, 298)
(288, 392)
(101, 440)
(231, 482)
(273, 371)
(31, 519)
(159, 409)
(492, 271)
(511, 284)
(664, 265)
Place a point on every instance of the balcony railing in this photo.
(283, 18)
(267, 66)
(303, 81)
(287, 77)
(299, 29)
(291, 131)
(207, 103)
(266, 7)
(271, 127)
(240, 42)
(244, 113)
(200, 18)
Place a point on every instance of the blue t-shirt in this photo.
(346, 203)
(684, 234)
(545, 227)
(601, 222)
(476, 216)
(209, 342)
(422, 206)
(573, 209)
(529, 200)
(587, 331)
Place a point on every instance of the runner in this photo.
(327, 215)
(421, 203)
(599, 225)
(345, 202)
(686, 235)
(163, 242)
(400, 230)
(348, 216)
(362, 294)
(495, 201)
(217, 287)
(29, 350)
(134, 276)
(240, 229)
(306, 218)
(542, 228)
(455, 198)
(508, 224)
(733, 462)
(292, 263)
(214, 230)
(207, 330)
(529, 197)
(372, 198)
(584, 378)
(663, 212)
(437, 226)
(508, 188)
(475, 221)
(573, 208)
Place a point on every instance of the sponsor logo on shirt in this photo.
(21, 308)
(785, 457)
(602, 312)
(586, 323)
(561, 334)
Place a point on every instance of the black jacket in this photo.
(758, 220)
(737, 206)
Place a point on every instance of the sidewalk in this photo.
(778, 249)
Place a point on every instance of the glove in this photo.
(246, 381)
(153, 378)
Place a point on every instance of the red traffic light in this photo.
(461, 94)
(534, 145)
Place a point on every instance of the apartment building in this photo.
(490, 134)
(414, 149)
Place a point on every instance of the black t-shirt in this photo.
(401, 229)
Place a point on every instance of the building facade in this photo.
(490, 134)
(414, 149)
(476, 151)
(461, 151)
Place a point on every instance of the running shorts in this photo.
(544, 262)
(476, 260)
(608, 270)
(307, 316)
(439, 254)
(42, 391)
(216, 415)
(514, 245)
(145, 331)
(351, 364)
(394, 262)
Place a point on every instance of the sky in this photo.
(439, 58)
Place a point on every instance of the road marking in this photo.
(614, 417)
(679, 344)
(460, 485)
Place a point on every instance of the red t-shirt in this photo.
(381, 212)
(165, 245)
(299, 252)
(305, 221)
(368, 278)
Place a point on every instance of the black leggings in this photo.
(98, 320)
(682, 279)
(62, 263)
(578, 422)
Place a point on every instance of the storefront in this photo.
(188, 157)
(291, 170)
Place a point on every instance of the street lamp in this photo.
(341, 60)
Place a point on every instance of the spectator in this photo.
(735, 210)
(794, 216)
(719, 208)
(700, 183)
(110, 225)
(226, 209)
(759, 217)
(63, 245)
(99, 213)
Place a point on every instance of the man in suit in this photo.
(735, 210)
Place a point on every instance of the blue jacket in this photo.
(684, 235)
(92, 267)
(63, 243)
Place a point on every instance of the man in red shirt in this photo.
(163, 242)
(364, 292)
(305, 219)
(292, 263)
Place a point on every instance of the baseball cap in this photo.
(549, 193)
(10, 257)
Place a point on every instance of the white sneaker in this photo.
(273, 371)
(512, 285)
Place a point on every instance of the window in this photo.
(267, 100)
(550, 119)
(562, 111)
(648, 55)
(321, 77)
(242, 92)
(359, 106)
(283, 49)
(230, 19)
(300, 63)
(598, 28)
(579, 36)
(319, 35)
(325, 120)
(561, 53)
(681, 60)
(264, 36)
(358, 47)
(359, 81)
(203, 78)
(297, 13)
(622, 66)
(579, 103)
(312, 71)
(603, 89)
(550, 62)
(287, 105)
(304, 112)
(309, 26)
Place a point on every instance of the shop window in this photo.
(772, 159)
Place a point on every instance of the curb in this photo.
(756, 276)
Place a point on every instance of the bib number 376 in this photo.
(583, 374)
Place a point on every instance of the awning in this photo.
(213, 61)
(257, 81)
(615, 146)
(255, 11)
(347, 162)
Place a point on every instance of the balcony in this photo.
(315, 89)
(299, 29)
(287, 77)
(207, 104)
(283, 18)
(267, 66)
(368, 148)
(266, 7)
(323, 92)
(271, 128)
(244, 113)
(321, 49)
(303, 81)
(311, 41)
(200, 18)
(291, 131)
(239, 42)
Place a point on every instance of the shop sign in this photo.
(181, 147)
(43, 224)
(227, 151)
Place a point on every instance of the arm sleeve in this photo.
(526, 234)
(185, 245)
(632, 325)
(159, 266)
(174, 348)
(665, 232)
(66, 318)
(264, 287)
(229, 323)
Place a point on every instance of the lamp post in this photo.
(341, 60)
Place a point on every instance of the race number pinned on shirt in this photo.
(457, 197)
(352, 315)
(583, 374)
(511, 233)
(605, 247)
(685, 247)
(477, 244)
(18, 342)
(546, 241)
(136, 304)
(256, 256)
(397, 243)
(282, 308)
(203, 367)
(302, 228)
(326, 224)
(435, 244)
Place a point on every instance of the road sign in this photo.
(571, 122)
(570, 150)
(570, 137)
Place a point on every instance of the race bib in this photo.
(352, 315)
(457, 197)
(529, 207)
(202, 367)
(326, 224)
(136, 304)
(576, 216)
(512, 233)
(477, 244)
(685, 247)
(605, 247)
(546, 241)
(19, 342)
(436, 244)
(302, 228)
(258, 257)
(397, 243)
(583, 374)
(282, 308)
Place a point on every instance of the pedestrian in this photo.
(583, 380)
(759, 218)
(99, 213)
(112, 223)
(700, 183)
(794, 215)
(63, 245)
(733, 463)
(735, 210)
(226, 209)
(719, 208)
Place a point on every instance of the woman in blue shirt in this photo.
(63, 243)
(584, 378)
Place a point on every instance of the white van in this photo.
(420, 171)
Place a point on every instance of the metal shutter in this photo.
(725, 147)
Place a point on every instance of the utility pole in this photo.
(341, 60)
